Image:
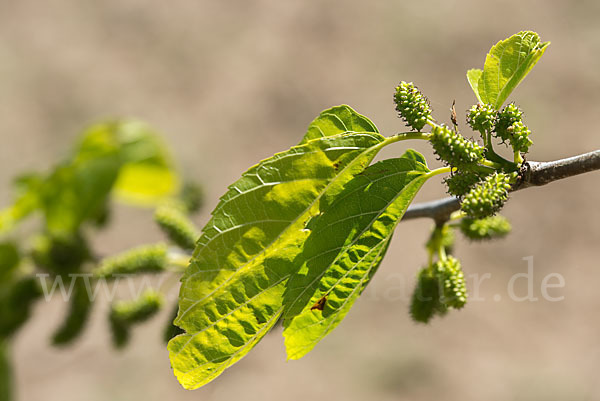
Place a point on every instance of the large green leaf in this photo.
(232, 292)
(507, 63)
(338, 120)
(345, 248)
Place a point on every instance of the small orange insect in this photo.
(320, 304)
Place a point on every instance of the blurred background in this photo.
(231, 82)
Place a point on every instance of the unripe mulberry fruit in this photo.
(425, 302)
(454, 148)
(125, 314)
(482, 117)
(177, 226)
(509, 115)
(452, 280)
(484, 229)
(518, 137)
(460, 183)
(143, 259)
(488, 197)
(412, 105)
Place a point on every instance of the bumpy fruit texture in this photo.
(510, 127)
(519, 137)
(485, 229)
(143, 259)
(460, 183)
(488, 197)
(452, 280)
(125, 314)
(176, 226)
(426, 299)
(412, 105)
(509, 115)
(455, 149)
(482, 117)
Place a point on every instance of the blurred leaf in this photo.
(346, 246)
(75, 193)
(507, 63)
(15, 304)
(27, 200)
(9, 260)
(145, 184)
(80, 305)
(60, 254)
(148, 175)
(5, 372)
(473, 76)
(231, 293)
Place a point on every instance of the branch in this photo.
(533, 174)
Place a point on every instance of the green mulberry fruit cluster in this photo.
(452, 280)
(510, 127)
(519, 137)
(439, 287)
(426, 299)
(412, 105)
(177, 226)
(124, 314)
(485, 229)
(488, 197)
(509, 115)
(454, 148)
(460, 183)
(143, 259)
(482, 117)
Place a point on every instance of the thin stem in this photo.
(408, 135)
(533, 174)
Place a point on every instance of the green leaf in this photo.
(146, 174)
(345, 248)
(473, 76)
(5, 372)
(9, 260)
(338, 120)
(26, 202)
(232, 292)
(507, 63)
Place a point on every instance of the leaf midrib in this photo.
(302, 215)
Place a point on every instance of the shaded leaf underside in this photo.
(345, 248)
